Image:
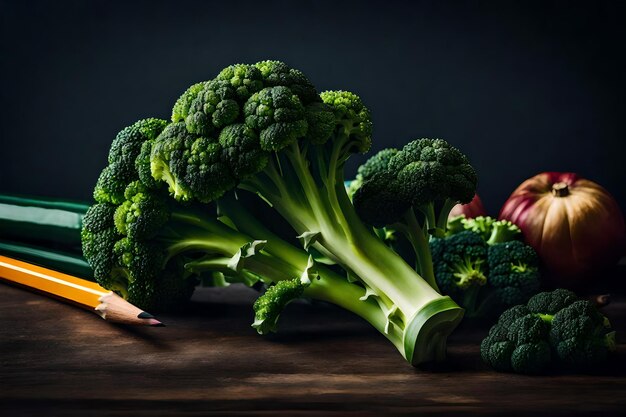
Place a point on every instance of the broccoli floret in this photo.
(554, 328)
(125, 149)
(278, 115)
(268, 307)
(321, 123)
(580, 334)
(502, 274)
(182, 105)
(400, 187)
(276, 73)
(192, 166)
(492, 230)
(98, 237)
(375, 164)
(208, 108)
(513, 274)
(142, 214)
(430, 170)
(460, 267)
(518, 342)
(241, 150)
(245, 79)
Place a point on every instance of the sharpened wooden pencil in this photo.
(77, 291)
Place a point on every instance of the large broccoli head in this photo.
(225, 129)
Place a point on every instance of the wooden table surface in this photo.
(59, 360)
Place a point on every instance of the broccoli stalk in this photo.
(357, 297)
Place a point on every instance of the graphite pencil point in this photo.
(144, 315)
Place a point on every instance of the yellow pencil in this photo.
(77, 291)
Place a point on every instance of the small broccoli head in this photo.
(149, 283)
(142, 166)
(375, 193)
(278, 115)
(492, 230)
(378, 202)
(276, 73)
(98, 237)
(459, 264)
(127, 144)
(433, 170)
(321, 121)
(557, 327)
(513, 273)
(532, 351)
(241, 150)
(376, 164)
(243, 78)
(212, 107)
(182, 105)
(143, 213)
(191, 165)
(352, 118)
(551, 302)
(581, 335)
(125, 149)
(113, 181)
(483, 225)
(518, 342)
(134, 269)
(267, 308)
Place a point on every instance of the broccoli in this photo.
(513, 274)
(492, 230)
(460, 267)
(122, 155)
(403, 189)
(553, 328)
(153, 252)
(485, 278)
(263, 129)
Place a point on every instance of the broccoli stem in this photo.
(260, 264)
(415, 235)
(442, 220)
(430, 220)
(424, 317)
(545, 317)
(470, 297)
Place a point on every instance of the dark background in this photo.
(520, 87)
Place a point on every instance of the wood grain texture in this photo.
(209, 361)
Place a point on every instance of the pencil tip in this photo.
(150, 320)
(144, 315)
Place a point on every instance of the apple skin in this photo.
(470, 210)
